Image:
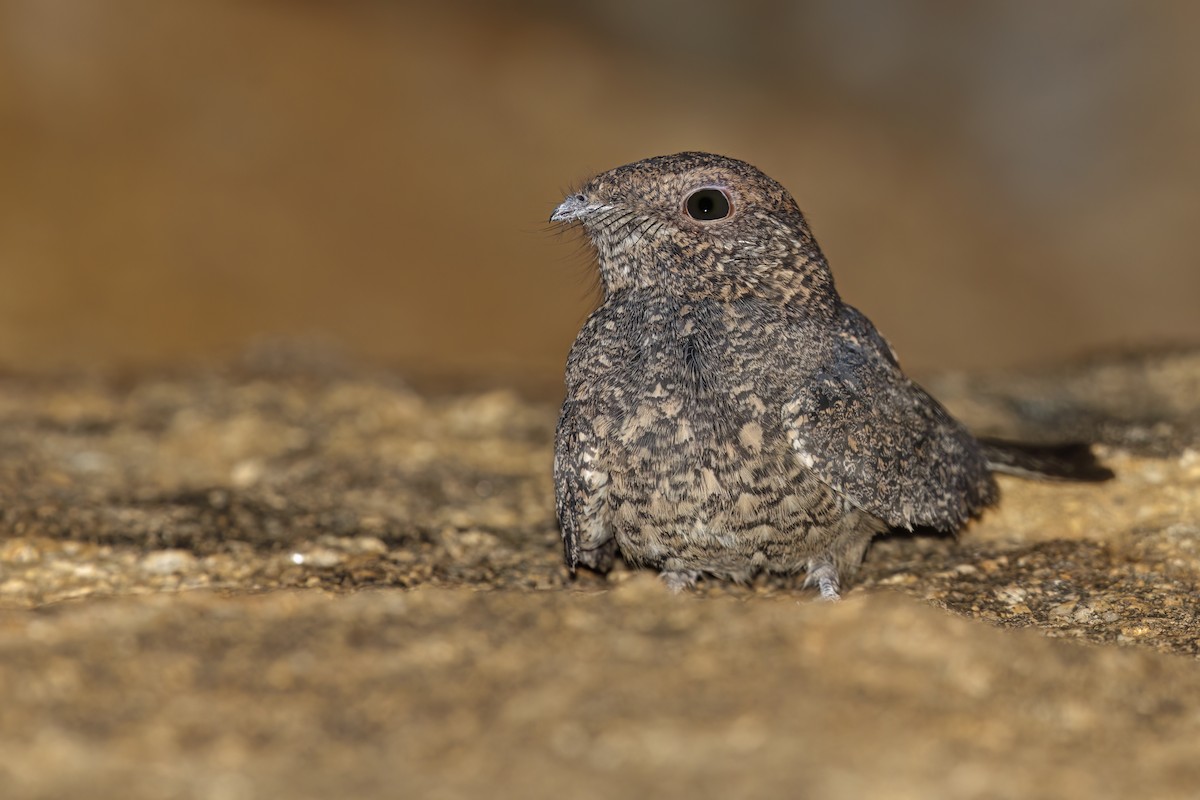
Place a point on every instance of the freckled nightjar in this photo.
(726, 413)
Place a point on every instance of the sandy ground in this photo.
(295, 577)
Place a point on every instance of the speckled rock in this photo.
(184, 609)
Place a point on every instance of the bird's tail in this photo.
(1064, 462)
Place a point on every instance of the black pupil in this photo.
(707, 204)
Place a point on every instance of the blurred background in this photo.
(994, 182)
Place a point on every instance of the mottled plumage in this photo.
(726, 412)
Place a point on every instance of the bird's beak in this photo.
(574, 207)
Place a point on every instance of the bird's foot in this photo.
(824, 576)
(679, 579)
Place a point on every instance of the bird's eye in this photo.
(707, 204)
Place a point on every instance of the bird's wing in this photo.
(873, 435)
(581, 493)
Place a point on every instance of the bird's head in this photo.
(698, 225)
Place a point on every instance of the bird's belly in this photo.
(709, 507)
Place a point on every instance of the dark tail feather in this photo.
(1065, 462)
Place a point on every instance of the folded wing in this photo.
(876, 437)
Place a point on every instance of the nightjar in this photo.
(727, 413)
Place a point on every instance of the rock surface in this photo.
(378, 607)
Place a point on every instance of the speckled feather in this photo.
(725, 411)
